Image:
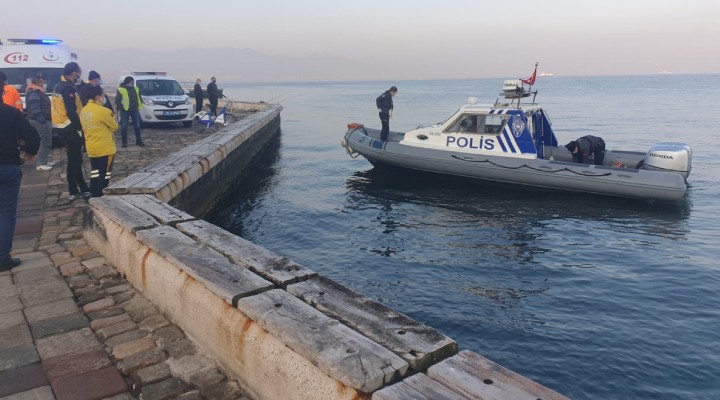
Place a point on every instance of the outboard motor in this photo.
(669, 157)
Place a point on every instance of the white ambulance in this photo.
(22, 59)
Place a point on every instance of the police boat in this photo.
(513, 142)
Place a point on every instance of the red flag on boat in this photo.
(531, 80)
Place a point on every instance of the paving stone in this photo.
(76, 364)
(99, 305)
(110, 312)
(141, 360)
(140, 308)
(80, 281)
(180, 348)
(28, 276)
(166, 389)
(44, 291)
(83, 291)
(15, 336)
(155, 322)
(226, 390)
(192, 395)
(169, 334)
(123, 396)
(74, 342)
(151, 374)
(89, 386)
(124, 297)
(113, 330)
(186, 366)
(115, 286)
(125, 337)
(95, 262)
(11, 318)
(207, 377)
(103, 272)
(18, 356)
(40, 393)
(72, 269)
(50, 310)
(32, 263)
(59, 324)
(12, 303)
(22, 379)
(124, 350)
(104, 322)
(90, 298)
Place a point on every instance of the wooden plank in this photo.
(122, 185)
(478, 378)
(279, 270)
(420, 345)
(417, 387)
(154, 182)
(334, 348)
(228, 281)
(162, 212)
(122, 213)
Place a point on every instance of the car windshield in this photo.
(159, 87)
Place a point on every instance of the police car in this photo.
(164, 100)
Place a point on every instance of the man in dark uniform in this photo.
(197, 89)
(586, 146)
(213, 96)
(384, 105)
(13, 127)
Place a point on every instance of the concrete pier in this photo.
(252, 324)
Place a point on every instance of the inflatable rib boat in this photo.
(514, 143)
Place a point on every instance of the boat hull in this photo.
(553, 174)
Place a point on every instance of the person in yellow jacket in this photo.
(99, 125)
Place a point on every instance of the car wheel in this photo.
(187, 124)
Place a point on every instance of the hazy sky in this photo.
(429, 39)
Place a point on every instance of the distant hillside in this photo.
(228, 65)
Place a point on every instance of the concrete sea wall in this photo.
(282, 329)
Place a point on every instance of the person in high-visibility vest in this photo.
(129, 103)
(10, 95)
(64, 108)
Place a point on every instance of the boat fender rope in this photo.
(529, 167)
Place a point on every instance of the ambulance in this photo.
(22, 59)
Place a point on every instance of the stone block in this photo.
(89, 298)
(420, 345)
(105, 322)
(119, 288)
(113, 330)
(276, 269)
(15, 335)
(140, 308)
(122, 213)
(110, 312)
(17, 356)
(155, 322)
(180, 348)
(51, 310)
(476, 377)
(205, 377)
(39, 393)
(124, 350)
(22, 379)
(99, 305)
(167, 389)
(11, 319)
(226, 390)
(162, 212)
(226, 280)
(95, 263)
(73, 342)
(72, 269)
(169, 334)
(337, 350)
(59, 324)
(141, 360)
(186, 366)
(75, 364)
(103, 272)
(97, 384)
(44, 291)
(125, 296)
(151, 374)
(125, 337)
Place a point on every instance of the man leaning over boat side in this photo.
(384, 105)
(584, 147)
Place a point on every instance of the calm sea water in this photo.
(594, 297)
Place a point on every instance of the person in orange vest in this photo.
(11, 96)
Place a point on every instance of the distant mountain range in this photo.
(228, 65)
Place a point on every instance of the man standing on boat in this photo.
(583, 147)
(384, 104)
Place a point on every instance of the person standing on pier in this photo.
(38, 106)
(64, 108)
(384, 105)
(129, 103)
(99, 125)
(213, 96)
(197, 89)
(13, 127)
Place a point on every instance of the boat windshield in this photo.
(478, 123)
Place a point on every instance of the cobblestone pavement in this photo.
(70, 326)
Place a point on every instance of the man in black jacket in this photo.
(384, 105)
(586, 146)
(213, 96)
(13, 127)
(197, 89)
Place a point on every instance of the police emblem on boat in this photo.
(518, 126)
